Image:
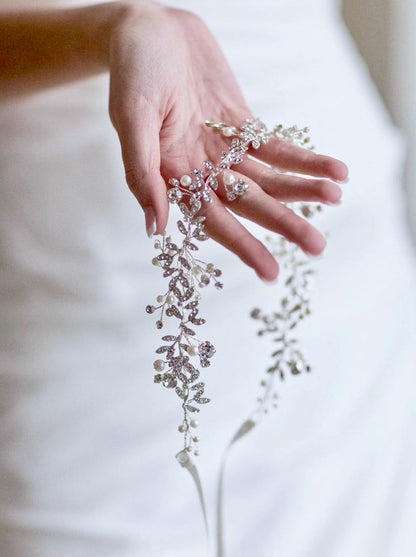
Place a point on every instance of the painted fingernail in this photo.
(150, 221)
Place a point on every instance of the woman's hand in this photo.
(168, 76)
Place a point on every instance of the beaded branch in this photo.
(177, 368)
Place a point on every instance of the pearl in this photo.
(155, 262)
(159, 365)
(159, 299)
(186, 180)
(228, 131)
(194, 423)
(195, 439)
(170, 299)
(188, 449)
(192, 350)
(181, 428)
(229, 179)
(157, 244)
(196, 453)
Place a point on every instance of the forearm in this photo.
(42, 48)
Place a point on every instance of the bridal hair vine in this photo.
(184, 351)
(187, 275)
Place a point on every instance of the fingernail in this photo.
(347, 179)
(150, 220)
(267, 281)
(313, 256)
(333, 203)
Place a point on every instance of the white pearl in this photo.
(186, 180)
(170, 299)
(181, 428)
(194, 423)
(196, 453)
(229, 179)
(192, 350)
(227, 131)
(159, 365)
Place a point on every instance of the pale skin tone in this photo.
(167, 76)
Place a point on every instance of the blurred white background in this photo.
(384, 32)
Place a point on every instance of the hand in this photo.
(168, 76)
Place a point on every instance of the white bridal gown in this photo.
(87, 439)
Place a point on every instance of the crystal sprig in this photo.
(187, 275)
(294, 306)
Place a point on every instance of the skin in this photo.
(167, 76)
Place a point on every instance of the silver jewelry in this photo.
(176, 366)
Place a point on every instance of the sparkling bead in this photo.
(240, 187)
(158, 378)
(150, 309)
(186, 180)
(192, 350)
(229, 179)
(159, 299)
(188, 449)
(194, 423)
(195, 439)
(157, 244)
(210, 268)
(169, 382)
(174, 195)
(159, 324)
(228, 131)
(263, 383)
(196, 453)
(155, 262)
(205, 279)
(207, 349)
(159, 365)
(181, 428)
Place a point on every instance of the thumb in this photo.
(139, 137)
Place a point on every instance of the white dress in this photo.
(88, 441)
